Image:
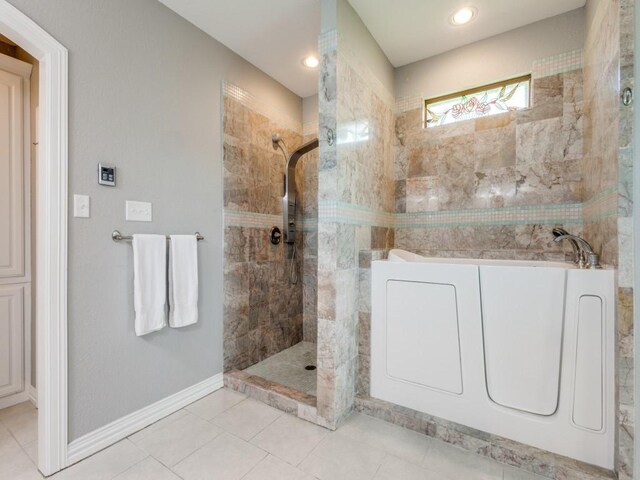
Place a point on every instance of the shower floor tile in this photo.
(288, 368)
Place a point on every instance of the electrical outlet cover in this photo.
(139, 211)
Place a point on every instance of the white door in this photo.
(14, 227)
(12, 258)
(12, 298)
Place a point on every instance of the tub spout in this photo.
(593, 261)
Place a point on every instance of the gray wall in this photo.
(500, 57)
(144, 94)
(310, 109)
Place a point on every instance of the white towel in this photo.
(183, 280)
(149, 282)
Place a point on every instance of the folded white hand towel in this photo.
(183, 280)
(149, 282)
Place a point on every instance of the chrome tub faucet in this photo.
(585, 257)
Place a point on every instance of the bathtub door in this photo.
(522, 323)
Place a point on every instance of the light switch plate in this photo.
(81, 206)
(139, 211)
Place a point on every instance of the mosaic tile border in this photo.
(341, 212)
(602, 205)
(237, 218)
(570, 213)
(327, 41)
(250, 101)
(406, 104)
(560, 63)
(338, 212)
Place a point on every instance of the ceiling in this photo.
(410, 30)
(275, 35)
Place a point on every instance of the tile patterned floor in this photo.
(227, 436)
(287, 368)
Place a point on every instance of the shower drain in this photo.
(310, 367)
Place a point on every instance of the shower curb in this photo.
(286, 399)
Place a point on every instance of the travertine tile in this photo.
(399, 442)
(496, 148)
(226, 457)
(338, 458)
(272, 468)
(393, 468)
(105, 464)
(215, 403)
(247, 418)
(178, 439)
(14, 462)
(148, 469)
(22, 421)
(290, 438)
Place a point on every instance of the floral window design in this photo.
(478, 102)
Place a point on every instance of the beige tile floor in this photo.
(227, 436)
(287, 368)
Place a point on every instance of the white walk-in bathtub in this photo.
(520, 349)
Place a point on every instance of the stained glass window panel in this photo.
(491, 99)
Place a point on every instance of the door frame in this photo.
(51, 237)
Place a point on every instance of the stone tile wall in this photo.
(309, 173)
(262, 310)
(500, 166)
(608, 184)
(355, 172)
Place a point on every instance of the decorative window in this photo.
(478, 102)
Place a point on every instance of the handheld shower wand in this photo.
(278, 143)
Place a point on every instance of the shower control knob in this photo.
(276, 236)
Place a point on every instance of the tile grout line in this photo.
(135, 464)
(223, 431)
(15, 439)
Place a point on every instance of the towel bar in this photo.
(116, 236)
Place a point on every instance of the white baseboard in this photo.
(115, 431)
(14, 399)
(32, 393)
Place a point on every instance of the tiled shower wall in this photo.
(608, 183)
(355, 189)
(309, 170)
(493, 187)
(262, 309)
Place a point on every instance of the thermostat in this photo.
(106, 175)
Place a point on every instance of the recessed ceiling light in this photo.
(311, 62)
(463, 16)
